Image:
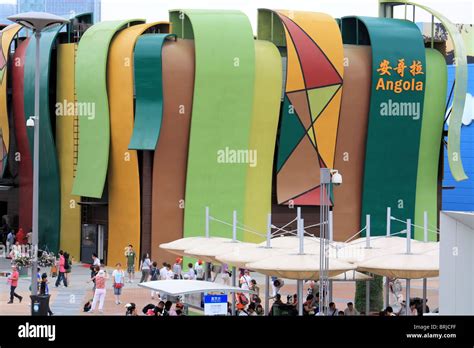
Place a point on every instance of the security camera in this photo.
(30, 122)
(336, 178)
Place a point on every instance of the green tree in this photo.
(376, 295)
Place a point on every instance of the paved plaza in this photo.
(70, 300)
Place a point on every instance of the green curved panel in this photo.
(395, 117)
(49, 186)
(460, 90)
(430, 142)
(149, 91)
(221, 115)
(93, 107)
(266, 112)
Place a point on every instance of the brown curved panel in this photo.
(351, 137)
(171, 154)
(25, 167)
(292, 181)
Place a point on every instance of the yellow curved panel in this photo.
(70, 231)
(323, 29)
(123, 175)
(8, 34)
(326, 130)
(294, 75)
(266, 111)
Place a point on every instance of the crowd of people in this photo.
(246, 303)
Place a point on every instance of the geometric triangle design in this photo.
(299, 101)
(300, 173)
(326, 126)
(311, 136)
(312, 197)
(318, 71)
(292, 131)
(319, 98)
(294, 75)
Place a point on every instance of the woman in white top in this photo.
(145, 266)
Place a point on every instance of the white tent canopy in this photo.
(178, 246)
(183, 287)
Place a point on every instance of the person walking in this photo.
(10, 240)
(226, 274)
(131, 259)
(62, 270)
(100, 291)
(68, 268)
(118, 276)
(21, 236)
(154, 275)
(95, 270)
(145, 266)
(44, 289)
(199, 270)
(13, 280)
(191, 272)
(177, 269)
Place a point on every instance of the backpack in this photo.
(67, 265)
(154, 273)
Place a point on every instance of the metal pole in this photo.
(389, 214)
(35, 231)
(267, 295)
(234, 277)
(408, 237)
(299, 230)
(387, 280)
(234, 238)
(207, 222)
(331, 238)
(425, 281)
(408, 297)
(269, 230)
(299, 284)
(331, 226)
(367, 231)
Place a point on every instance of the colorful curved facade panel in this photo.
(263, 132)
(310, 112)
(148, 84)
(93, 107)
(171, 154)
(6, 37)
(395, 116)
(123, 174)
(351, 138)
(49, 184)
(25, 164)
(460, 89)
(222, 110)
(66, 122)
(430, 139)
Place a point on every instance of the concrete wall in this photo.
(456, 289)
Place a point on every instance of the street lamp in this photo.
(36, 21)
(328, 177)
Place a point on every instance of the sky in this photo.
(458, 11)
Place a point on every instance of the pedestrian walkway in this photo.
(70, 300)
